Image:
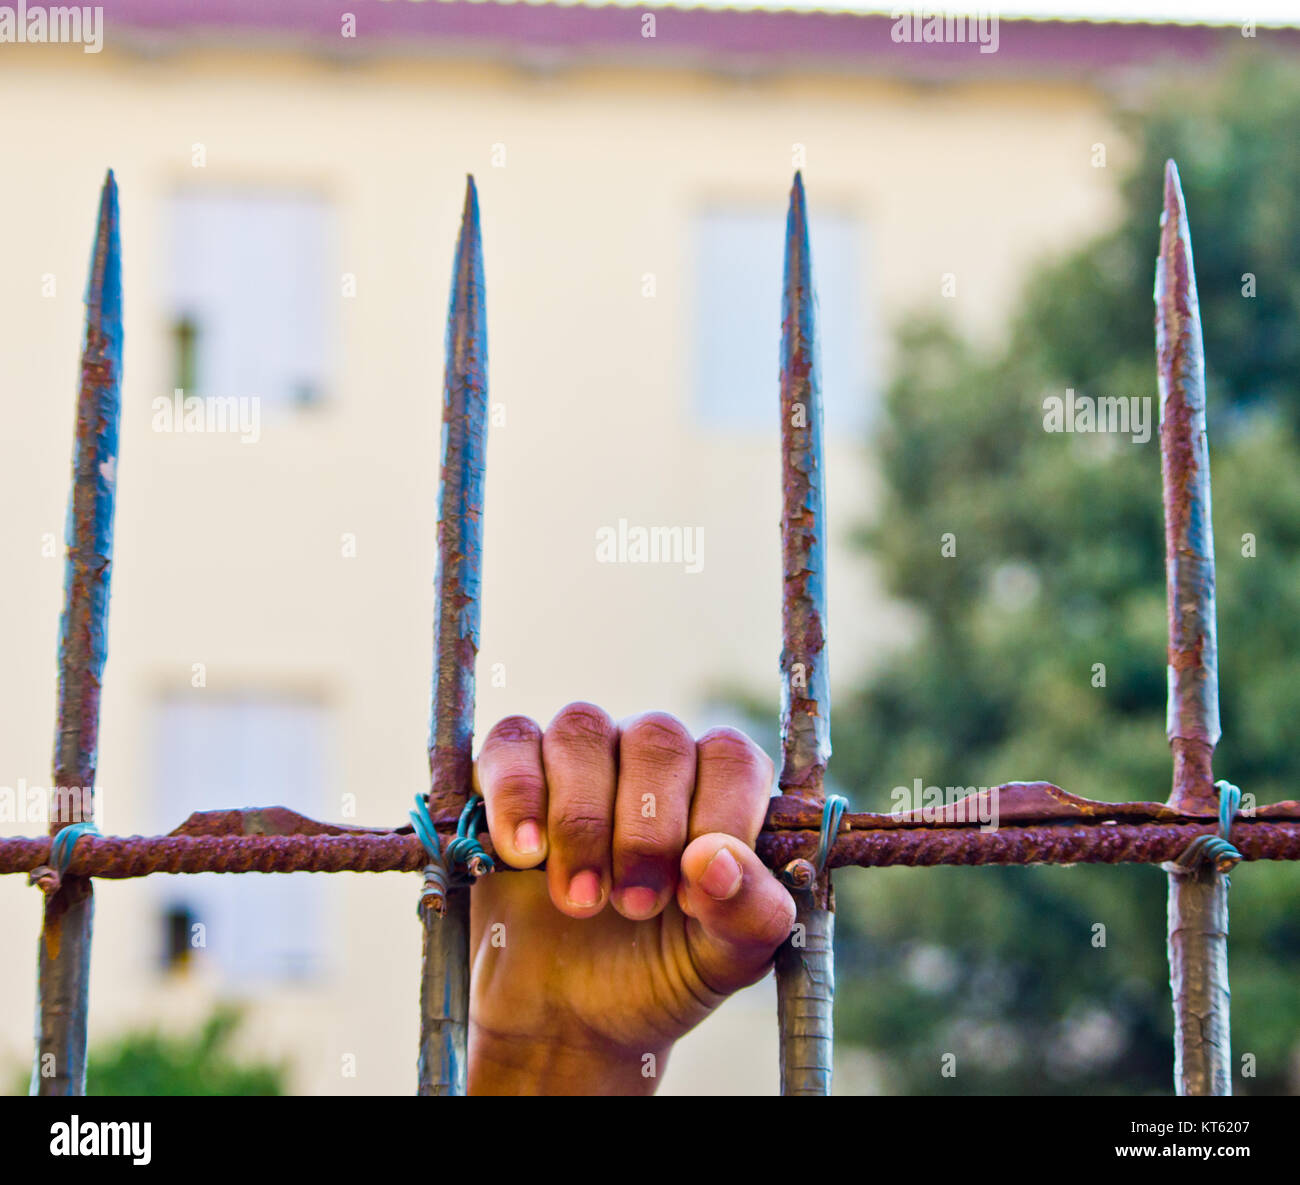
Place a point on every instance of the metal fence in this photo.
(1199, 832)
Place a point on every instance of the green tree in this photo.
(1059, 567)
(196, 1063)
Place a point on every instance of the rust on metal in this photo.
(1031, 822)
(442, 1064)
(805, 688)
(805, 971)
(266, 820)
(375, 850)
(1193, 722)
(460, 523)
(1011, 803)
(63, 973)
(1198, 897)
(1055, 843)
(119, 857)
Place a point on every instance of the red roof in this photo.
(725, 38)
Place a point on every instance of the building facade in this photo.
(290, 198)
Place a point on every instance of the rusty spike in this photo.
(1198, 902)
(805, 974)
(460, 523)
(64, 956)
(805, 690)
(442, 1064)
(1193, 724)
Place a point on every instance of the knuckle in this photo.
(643, 841)
(731, 751)
(659, 738)
(513, 730)
(516, 790)
(581, 724)
(581, 825)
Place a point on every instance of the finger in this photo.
(579, 755)
(733, 785)
(738, 912)
(513, 784)
(656, 775)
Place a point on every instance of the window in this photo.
(249, 295)
(255, 751)
(739, 256)
(178, 935)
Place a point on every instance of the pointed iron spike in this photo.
(1198, 900)
(805, 976)
(805, 691)
(64, 953)
(443, 1067)
(460, 521)
(1193, 719)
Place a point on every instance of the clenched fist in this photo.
(651, 910)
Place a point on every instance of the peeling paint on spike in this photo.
(442, 1063)
(64, 957)
(83, 629)
(1193, 720)
(805, 972)
(1198, 899)
(460, 523)
(805, 688)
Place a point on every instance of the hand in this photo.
(652, 908)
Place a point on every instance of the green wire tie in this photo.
(50, 876)
(832, 812)
(464, 849)
(1217, 850)
(803, 874)
(65, 840)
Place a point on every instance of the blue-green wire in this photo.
(832, 812)
(1216, 849)
(464, 846)
(65, 840)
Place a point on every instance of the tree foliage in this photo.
(1059, 568)
(197, 1063)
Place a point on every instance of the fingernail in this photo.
(638, 903)
(528, 838)
(584, 890)
(722, 876)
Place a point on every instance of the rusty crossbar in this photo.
(1038, 823)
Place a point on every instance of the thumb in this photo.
(737, 912)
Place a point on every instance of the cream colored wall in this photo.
(229, 554)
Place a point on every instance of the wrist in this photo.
(504, 1065)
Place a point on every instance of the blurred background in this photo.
(984, 229)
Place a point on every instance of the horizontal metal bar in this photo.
(790, 814)
(1060, 843)
(116, 858)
